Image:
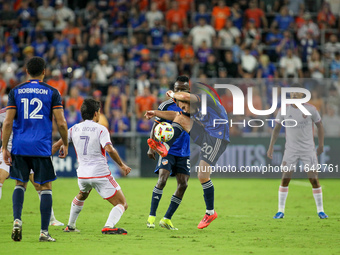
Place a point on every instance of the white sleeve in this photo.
(69, 135)
(2, 115)
(104, 137)
(315, 115)
(279, 118)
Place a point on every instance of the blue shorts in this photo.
(174, 164)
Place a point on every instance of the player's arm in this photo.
(183, 96)
(167, 115)
(321, 134)
(6, 133)
(151, 153)
(275, 135)
(115, 156)
(62, 127)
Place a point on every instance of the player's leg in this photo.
(3, 176)
(182, 170)
(53, 220)
(19, 172)
(78, 204)
(288, 165)
(163, 175)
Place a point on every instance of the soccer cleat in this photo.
(279, 215)
(114, 231)
(207, 219)
(17, 230)
(166, 223)
(322, 215)
(56, 223)
(45, 237)
(158, 147)
(70, 229)
(151, 222)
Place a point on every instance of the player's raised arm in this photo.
(167, 115)
(183, 96)
(6, 133)
(62, 127)
(115, 156)
(275, 135)
(321, 133)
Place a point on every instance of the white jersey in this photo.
(89, 139)
(299, 139)
(2, 118)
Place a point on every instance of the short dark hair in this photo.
(35, 66)
(88, 108)
(182, 83)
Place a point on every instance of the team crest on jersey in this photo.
(304, 116)
(164, 162)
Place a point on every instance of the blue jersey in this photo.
(181, 147)
(214, 111)
(34, 102)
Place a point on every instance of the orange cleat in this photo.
(207, 219)
(114, 231)
(158, 147)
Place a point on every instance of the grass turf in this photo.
(244, 225)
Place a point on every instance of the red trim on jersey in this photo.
(95, 177)
(111, 196)
(112, 181)
(103, 151)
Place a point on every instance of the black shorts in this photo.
(42, 167)
(211, 147)
(174, 164)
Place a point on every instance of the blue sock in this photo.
(208, 189)
(45, 208)
(18, 201)
(156, 197)
(175, 202)
(177, 132)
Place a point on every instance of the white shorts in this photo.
(6, 167)
(290, 160)
(106, 187)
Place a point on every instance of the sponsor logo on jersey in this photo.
(165, 162)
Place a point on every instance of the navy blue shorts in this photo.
(174, 164)
(211, 147)
(42, 167)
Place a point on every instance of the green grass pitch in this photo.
(244, 225)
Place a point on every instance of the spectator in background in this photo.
(308, 44)
(335, 67)
(230, 65)
(145, 102)
(157, 34)
(72, 116)
(58, 82)
(317, 101)
(154, 14)
(8, 69)
(248, 63)
(255, 13)
(251, 33)
(102, 73)
(87, 14)
(144, 125)
(177, 16)
(46, 15)
(137, 20)
(309, 26)
(220, 14)
(175, 35)
(145, 64)
(202, 14)
(122, 66)
(228, 34)
(291, 65)
(167, 49)
(8, 17)
(119, 123)
(92, 50)
(283, 20)
(295, 6)
(210, 68)
(203, 52)
(141, 83)
(40, 45)
(333, 99)
(115, 101)
(60, 46)
(316, 65)
(26, 15)
(331, 122)
(95, 31)
(81, 82)
(237, 15)
(227, 101)
(135, 47)
(167, 68)
(63, 14)
(3, 86)
(186, 5)
(187, 55)
(332, 46)
(121, 81)
(202, 32)
(273, 39)
(236, 50)
(72, 33)
(75, 99)
(326, 19)
(286, 43)
(266, 69)
(162, 89)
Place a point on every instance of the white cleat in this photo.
(56, 223)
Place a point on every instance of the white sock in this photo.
(52, 213)
(115, 215)
(317, 193)
(0, 190)
(283, 193)
(210, 212)
(76, 207)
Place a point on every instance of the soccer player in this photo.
(29, 116)
(212, 140)
(176, 163)
(4, 173)
(91, 140)
(299, 146)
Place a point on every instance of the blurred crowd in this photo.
(127, 53)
